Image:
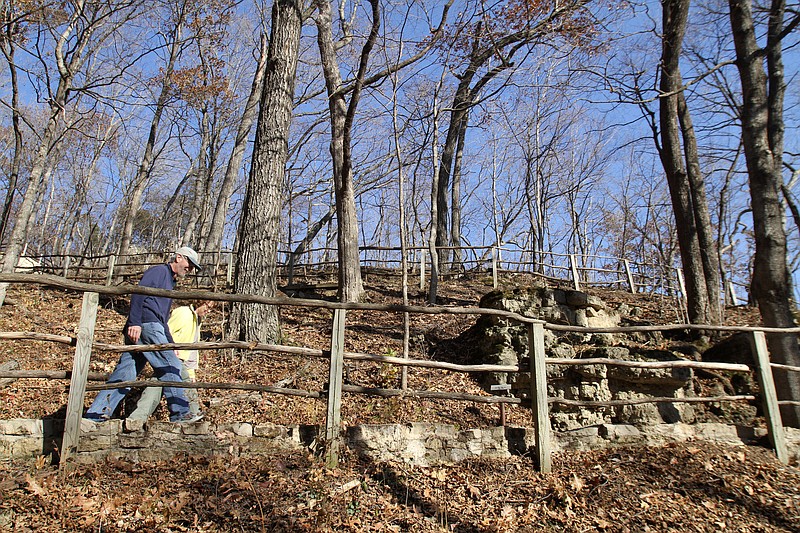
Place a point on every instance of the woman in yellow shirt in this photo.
(184, 324)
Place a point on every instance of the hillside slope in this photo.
(682, 487)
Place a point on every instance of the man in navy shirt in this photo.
(147, 324)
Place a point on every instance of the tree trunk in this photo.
(675, 13)
(201, 182)
(455, 196)
(433, 285)
(444, 190)
(37, 178)
(259, 229)
(351, 287)
(9, 47)
(762, 127)
(702, 219)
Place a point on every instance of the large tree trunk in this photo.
(702, 218)
(455, 196)
(675, 14)
(213, 241)
(459, 113)
(762, 133)
(259, 229)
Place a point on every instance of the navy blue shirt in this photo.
(146, 308)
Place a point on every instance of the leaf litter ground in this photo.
(694, 486)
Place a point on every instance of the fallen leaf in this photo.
(350, 485)
(34, 487)
(84, 503)
(603, 524)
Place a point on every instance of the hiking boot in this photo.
(97, 419)
(188, 418)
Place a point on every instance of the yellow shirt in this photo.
(184, 325)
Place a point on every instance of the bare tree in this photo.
(78, 169)
(492, 51)
(14, 28)
(342, 117)
(762, 133)
(175, 43)
(259, 229)
(206, 89)
(86, 25)
(682, 168)
(213, 241)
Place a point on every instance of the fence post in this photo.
(290, 269)
(731, 293)
(681, 283)
(112, 259)
(422, 270)
(66, 266)
(229, 277)
(334, 417)
(80, 371)
(574, 266)
(769, 396)
(628, 273)
(539, 407)
(494, 267)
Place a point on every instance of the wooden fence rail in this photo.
(537, 362)
(579, 269)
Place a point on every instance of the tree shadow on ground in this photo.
(432, 504)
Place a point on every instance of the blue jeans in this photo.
(166, 367)
(151, 397)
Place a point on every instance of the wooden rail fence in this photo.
(539, 402)
(580, 270)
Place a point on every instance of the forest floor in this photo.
(694, 486)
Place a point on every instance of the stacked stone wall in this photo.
(420, 444)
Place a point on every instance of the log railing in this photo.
(537, 363)
(581, 270)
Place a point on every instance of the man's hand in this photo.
(134, 332)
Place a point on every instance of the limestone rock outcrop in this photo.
(505, 342)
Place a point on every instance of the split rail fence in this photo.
(539, 402)
(580, 270)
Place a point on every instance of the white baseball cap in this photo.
(189, 254)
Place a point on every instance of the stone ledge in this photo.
(422, 444)
(21, 426)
